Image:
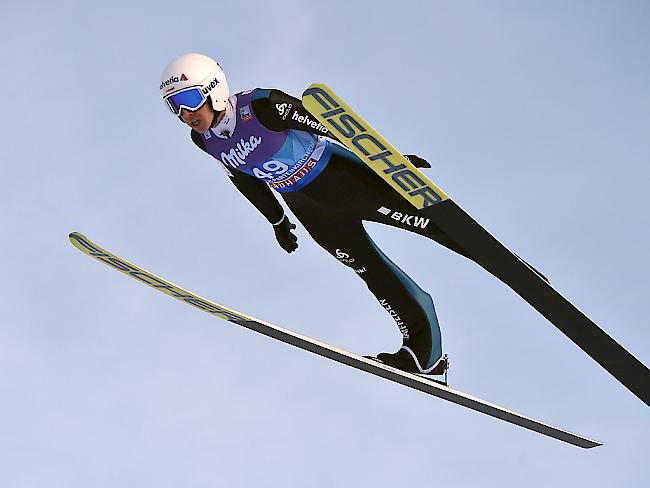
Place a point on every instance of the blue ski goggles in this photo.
(191, 99)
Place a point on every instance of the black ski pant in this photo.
(332, 209)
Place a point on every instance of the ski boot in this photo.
(405, 360)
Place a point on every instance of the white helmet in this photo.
(191, 79)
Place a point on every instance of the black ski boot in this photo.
(405, 361)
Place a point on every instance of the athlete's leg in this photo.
(410, 307)
(391, 209)
(349, 186)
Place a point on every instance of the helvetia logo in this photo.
(173, 79)
(304, 119)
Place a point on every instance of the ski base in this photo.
(429, 386)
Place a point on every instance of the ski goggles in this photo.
(191, 99)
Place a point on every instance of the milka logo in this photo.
(283, 109)
(237, 155)
(208, 88)
(173, 79)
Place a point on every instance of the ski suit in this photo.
(267, 139)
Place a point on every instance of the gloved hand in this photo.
(287, 240)
(417, 161)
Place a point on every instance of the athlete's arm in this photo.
(256, 191)
(278, 111)
(260, 195)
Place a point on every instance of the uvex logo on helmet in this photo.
(173, 79)
(208, 88)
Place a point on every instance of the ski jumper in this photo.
(267, 140)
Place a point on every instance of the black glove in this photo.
(417, 161)
(287, 240)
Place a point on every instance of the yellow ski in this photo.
(372, 148)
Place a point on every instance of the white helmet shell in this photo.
(196, 70)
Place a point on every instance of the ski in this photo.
(339, 355)
(480, 245)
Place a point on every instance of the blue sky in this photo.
(535, 117)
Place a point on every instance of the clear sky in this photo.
(536, 118)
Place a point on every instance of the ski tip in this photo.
(315, 87)
(77, 239)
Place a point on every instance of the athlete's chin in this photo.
(199, 127)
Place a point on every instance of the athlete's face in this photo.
(200, 119)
